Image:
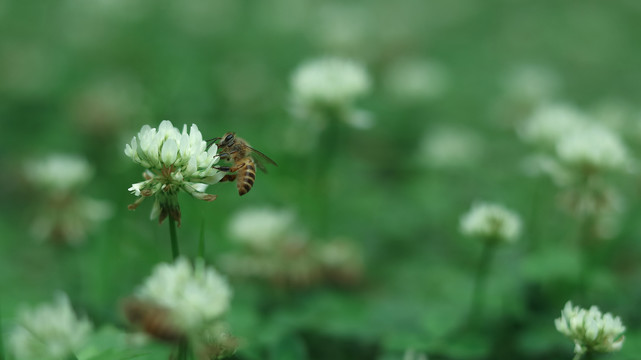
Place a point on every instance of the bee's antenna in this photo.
(212, 141)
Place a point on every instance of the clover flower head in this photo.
(329, 86)
(532, 83)
(174, 161)
(60, 173)
(260, 228)
(593, 148)
(551, 122)
(590, 329)
(416, 80)
(195, 296)
(450, 148)
(491, 222)
(64, 215)
(49, 332)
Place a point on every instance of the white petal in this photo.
(169, 152)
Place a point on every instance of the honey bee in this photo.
(154, 320)
(238, 152)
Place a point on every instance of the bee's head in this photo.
(228, 139)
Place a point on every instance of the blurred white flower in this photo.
(174, 161)
(64, 215)
(616, 114)
(491, 222)
(70, 221)
(195, 296)
(49, 332)
(450, 148)
(416, 80)
(342, 26)
(590, 330)
(540, 164)
(551, 122)
(59, 172)
(593, 148)
(411, 354)
(329, 87)
(532, 83)
(260, 228)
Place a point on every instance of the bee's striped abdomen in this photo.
(246, 177)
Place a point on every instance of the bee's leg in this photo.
(237, 167)
(222, 168)
(226, 156)
(228, 177)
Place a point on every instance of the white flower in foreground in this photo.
(552, 122)
(59, 172)
(260, 228)
(174, 161)
(328, 87)
(195, 296)
(49, 332)
(491, 222)
(590, 330)
(593, 148)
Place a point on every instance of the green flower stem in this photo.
(2, 355)
(534, 242)
(585, 242)
(183, 350)
(175, 252)
(476, 306)
(201, 240)
(588, 355)
(328, 148)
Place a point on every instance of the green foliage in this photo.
(82, 77)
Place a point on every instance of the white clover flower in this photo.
(174, 161)
(593, 148)
(64, 215)
(416, 80)
(195, 296)
(70, 221)
(329, 87)
(450, 148)
(59, 172)
(532, 83)
(49, 332)
(552, 122)
(540, 164)
(590, 330)
(260, 228)
(491, 222)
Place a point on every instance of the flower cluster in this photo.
(64, 215)
(277, 250)
(590, 329)
(328, 87)
(49, 332)
(577, 152)
(174, 161)
(491, 222)
(551, 122)
(260, 228)
(416, 80)
(592, 148)
(195, 296)
(59, 173)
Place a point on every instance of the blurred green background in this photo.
(82, 77)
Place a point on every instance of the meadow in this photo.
(449, 175)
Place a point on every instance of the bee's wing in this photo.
(263, 157)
